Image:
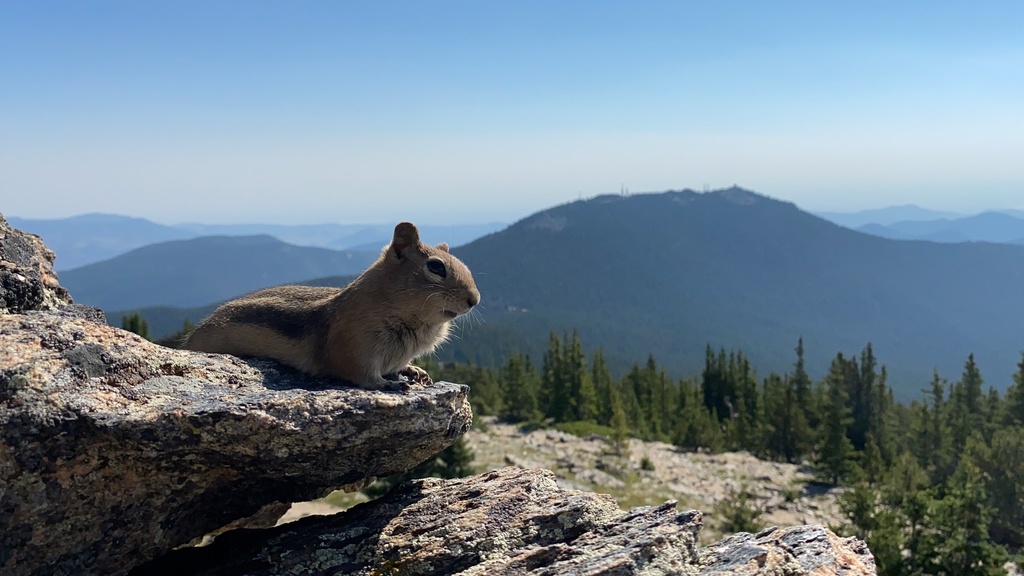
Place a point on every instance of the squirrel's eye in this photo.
(437, 267)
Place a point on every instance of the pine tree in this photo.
(748, 414)
(889, 427)
(834, 457)
(716, 386)
(903, 480)
(519, 394)
(802, 387)
(739, 511)
(959, 545)
(933, 443)
(665, 399)
(966, 408)
(881, 527)
(553, 393)
(649, 395)
(871, 462)
(697, 427)
(177, 339)
(135, 323)
(1014, 411)
(1002, 466)
(604, 389)
(888, 540)
(581, 391)
(628, 388)
(786, 432)
(859, 381)
(801, 436)
(619, 425)
(779, 409)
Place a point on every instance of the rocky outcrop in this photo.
(511, 521)
(508, 522)
(115, 450)
(811, 550)
(27, 279)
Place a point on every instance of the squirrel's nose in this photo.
(474, 298)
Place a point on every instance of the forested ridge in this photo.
(935, 486)
(666, 273)
(663, 274)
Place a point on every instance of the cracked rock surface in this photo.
(510, 521)
(115, 450)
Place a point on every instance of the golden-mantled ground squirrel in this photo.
(401, 307)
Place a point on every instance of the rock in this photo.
(27, 279)
(812, 550)
(115, 450)
(510, 521)
(599, 478)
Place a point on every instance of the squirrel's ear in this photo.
(406, 235)
(443, 246)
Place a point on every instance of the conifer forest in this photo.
(934, 486)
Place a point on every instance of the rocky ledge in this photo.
(114, 451)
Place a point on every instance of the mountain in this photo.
(883, 231)
(81, 240)
(90, 238)
(379, 235)
(885, 216)
(669, 273)
(322, 235)
(199, 271)
(985, 227)
(164, 321)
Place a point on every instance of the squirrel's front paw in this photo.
(417, 375)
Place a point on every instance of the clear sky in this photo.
(457, 112)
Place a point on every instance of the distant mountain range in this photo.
(90, 238)
(200, 271)
(669, 273)
(371, 237)
(910, 222)
(998, 227)
(886, 216)
(654, 273)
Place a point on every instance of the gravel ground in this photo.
(785, 492)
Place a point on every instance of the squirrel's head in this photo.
(439, 283)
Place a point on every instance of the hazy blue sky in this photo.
(448, 112)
